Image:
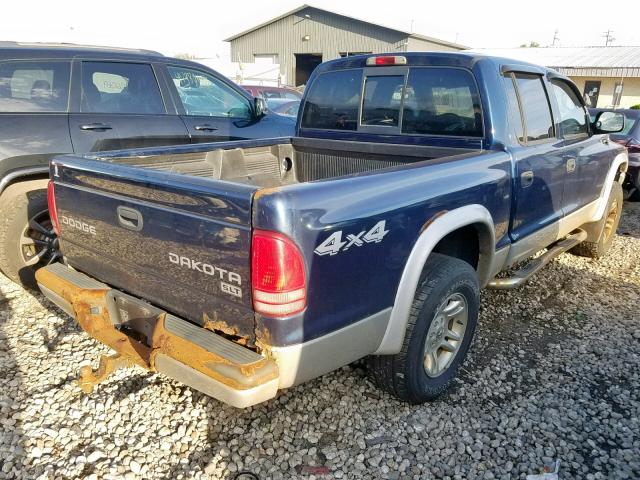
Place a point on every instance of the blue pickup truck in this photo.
(414, 180)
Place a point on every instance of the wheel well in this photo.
(622, 169)
(22, 179)
(463, 243)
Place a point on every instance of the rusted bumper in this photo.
(153, 339)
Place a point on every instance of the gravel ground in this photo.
(553, 374)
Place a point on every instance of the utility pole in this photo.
(608, 36)
(555, 38)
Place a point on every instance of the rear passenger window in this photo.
(515, 118)
(382, 100)
(333, 101)
(34, 86)
(573, 118)
(113, 87)
(442, 101)
(538, 123)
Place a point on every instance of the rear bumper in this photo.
(158, 341)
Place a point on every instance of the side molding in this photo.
(441, 226)
(24, 172)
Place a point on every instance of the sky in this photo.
(199, 28)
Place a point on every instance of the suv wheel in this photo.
(441, 325)
(27, 239)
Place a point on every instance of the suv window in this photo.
(573, 118)
(333, 101)
(382, 100)
(34, 86)
(114, 87)
(205, 95)
(536, 112)
(442, 101)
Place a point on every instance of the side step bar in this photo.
(521, 276)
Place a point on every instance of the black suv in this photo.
(58, 99)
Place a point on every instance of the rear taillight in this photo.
(278, 277)
(53, 213)
(386, 60)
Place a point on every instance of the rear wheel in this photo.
(27, 239)
(441, 325)
(605, 228)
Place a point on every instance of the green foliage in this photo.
(635, 107)
(532, 44)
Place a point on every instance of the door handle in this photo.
(205, 128)
(130, 218)
(95, 126)
(526, 179)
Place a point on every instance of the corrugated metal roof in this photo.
(305, 6)
(578, 61)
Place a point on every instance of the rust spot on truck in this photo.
(264, 191)
(92, 314)
(220, 326)
(428, 223)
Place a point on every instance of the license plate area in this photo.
(132, 316)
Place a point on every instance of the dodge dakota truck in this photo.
(413, 181)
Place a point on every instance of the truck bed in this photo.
(279, 162)
(173, 225)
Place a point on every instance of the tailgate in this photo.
(180, 242)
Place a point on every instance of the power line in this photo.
(608, 36)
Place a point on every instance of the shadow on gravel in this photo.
(12, 392)
(69, 326)
(537, 349)
(630, 222)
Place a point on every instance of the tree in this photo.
(532, 44)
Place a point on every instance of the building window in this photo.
(351, 54)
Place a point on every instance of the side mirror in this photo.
(608, 122)
(259, 107)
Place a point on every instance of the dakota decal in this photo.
(226, 277)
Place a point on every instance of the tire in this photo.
(20, 203)
(634, 196)
(445, 281)
(599, 242)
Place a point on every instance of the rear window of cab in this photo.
(415, 101)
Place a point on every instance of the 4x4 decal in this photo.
(334, 243)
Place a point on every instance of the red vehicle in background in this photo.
(267, 92)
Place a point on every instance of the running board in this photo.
(521, 276)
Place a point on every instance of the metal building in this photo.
(607, 76)
(301, 39)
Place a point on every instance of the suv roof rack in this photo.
(9, 43)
